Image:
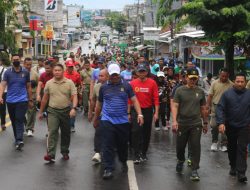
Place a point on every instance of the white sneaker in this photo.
(223, 148)
(157, 128)
(97, 158)
(30, 133)
(165, 128)
(214, 147)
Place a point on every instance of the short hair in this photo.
(15, 55)
(86, 61)
(49, 63)
(224, 70)
(59, 65)
(27, 59)
(40, 59)
(240, 75)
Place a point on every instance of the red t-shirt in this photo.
(146, 92)
(74, 76)
(44, 78)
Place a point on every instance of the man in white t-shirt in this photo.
(3, 106)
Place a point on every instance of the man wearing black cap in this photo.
(146, 91)
(189, 105)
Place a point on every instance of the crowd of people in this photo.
(124, 95)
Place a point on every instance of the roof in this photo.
(151, 29)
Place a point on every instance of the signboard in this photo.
(50, 5)
(36, 23)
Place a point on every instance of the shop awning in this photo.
(194, 34)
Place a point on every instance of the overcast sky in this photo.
(101, 4)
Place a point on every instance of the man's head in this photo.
(209, 76)
(86, 64)
(70, 66)
(103, 76)
(114, 73)
(16, 60)
(161, 62)
(192, 77)
(182, 76)
(160, 75)
(40, 62)
(101, 62)
(58, 71)
(190, 65)
(240, 81)
(142, 71)
(224, 75)
(27, 63)
(48, 67)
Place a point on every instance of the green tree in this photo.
(116, 21)
(9, 21)
(227, 22)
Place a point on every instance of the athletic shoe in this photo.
(143, 158)
(179, 167)
(194, 176)
(48, 158)
(3, 127)
(189, 162)
(223, 148)
(30, 133)
(157, 128)
(165, 128)
(97, 158)
(73, 130)
(242, 178)
(232, 172)
(214, 147)
(65, 157)
(137, 160)
(19, 146)
(107, 174)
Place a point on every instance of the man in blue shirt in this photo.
(127, 74)
(19, 96)
(114, 124)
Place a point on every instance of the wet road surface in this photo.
(26, 170)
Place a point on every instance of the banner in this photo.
(51, 5)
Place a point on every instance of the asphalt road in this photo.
(27, 170)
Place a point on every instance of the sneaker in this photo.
(242, 178)
(157, 128)
(168, 125)
(194, 176)
(107, 174)
(97, 158)
(30, 133)
(45, 115)
(214, 147)
(223, 148)
(143, 157)
(73, 130)
(232, 172)
(48, 158)
(179, 167)
(137, 160)
(165, 128)
(189, 162)
(65, 157)
(3, 127)
(19, 146)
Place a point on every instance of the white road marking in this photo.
(131, 176)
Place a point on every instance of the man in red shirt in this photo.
(146, 91)
(76, 78)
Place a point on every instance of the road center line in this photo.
(131, 176)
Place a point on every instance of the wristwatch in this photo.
(140, 115)
(74, 108)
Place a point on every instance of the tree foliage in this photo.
(227, 22)
(116, 21)
(9, 21)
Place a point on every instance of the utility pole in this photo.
(137, 18)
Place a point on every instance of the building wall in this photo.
(73, 20)
(150, 13)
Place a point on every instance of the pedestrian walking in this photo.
(103, 77)
(114, 124)
(218, 87)
(31, 113)
(19, 97)
(189, 105)
(3, 105)
(146, 91)
(232, 116)
(61, 96)
(207, 82)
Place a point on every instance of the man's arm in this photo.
(220, 113)
(98, 110)
(209, 100)
(138, 110)
(38, 91)
(29, 90)
(175, 108)
(2, 89)
(43, 105)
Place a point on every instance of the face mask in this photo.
(16, 63)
